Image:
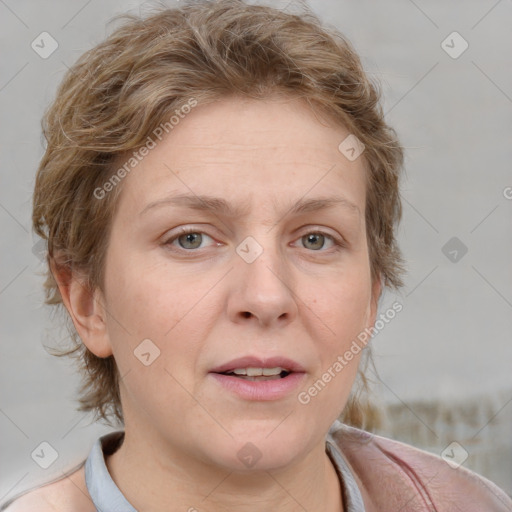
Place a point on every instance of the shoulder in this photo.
(68, 494)
(391, 472)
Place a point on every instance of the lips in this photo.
(262, 379)
(247, 362)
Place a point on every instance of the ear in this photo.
(86, 309)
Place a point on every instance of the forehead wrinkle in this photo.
(219, 205)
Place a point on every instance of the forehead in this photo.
(238, 147)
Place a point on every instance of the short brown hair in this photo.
(118, 92)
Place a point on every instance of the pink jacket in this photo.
(393, 477)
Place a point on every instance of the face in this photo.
(239, 242)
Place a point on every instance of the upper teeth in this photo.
(254, 372)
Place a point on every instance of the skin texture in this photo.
(204, 306)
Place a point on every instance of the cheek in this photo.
(149, 302)
(344, 309)
(343, 305)
(341, 311)
(156, 306)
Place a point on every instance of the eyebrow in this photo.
(221, 206)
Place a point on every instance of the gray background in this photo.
(445, 361)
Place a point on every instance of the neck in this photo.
(152, 478)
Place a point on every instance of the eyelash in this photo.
(338, 244)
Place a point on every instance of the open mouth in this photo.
(246, 377)
(258, 374)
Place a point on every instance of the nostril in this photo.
(246, 314)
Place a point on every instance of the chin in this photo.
(261, 448)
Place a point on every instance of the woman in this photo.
(220, 198)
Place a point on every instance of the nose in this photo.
(262, 291)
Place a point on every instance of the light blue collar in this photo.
(105, 494)
(352, 499)
(107, 497)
